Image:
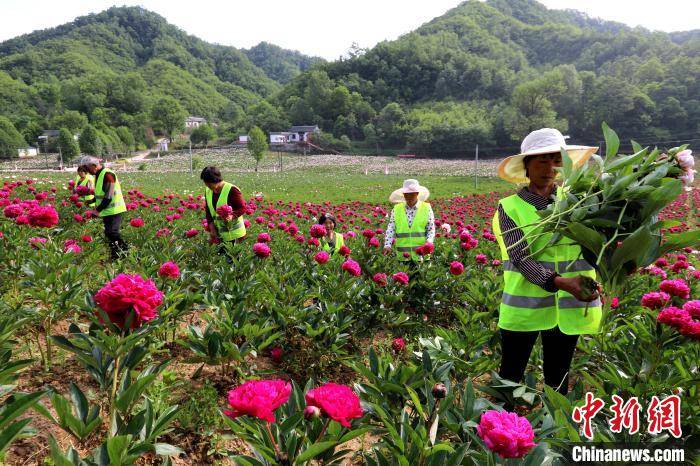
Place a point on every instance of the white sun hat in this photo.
(409, 186)
(541, 141)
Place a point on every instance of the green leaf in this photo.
(314, 450)
(626, 255)
(9, 433)
(612, 142)
(165, 449)
(567, 164)
(416, 401)
(586, 237)
(131, 394)
(676, 241)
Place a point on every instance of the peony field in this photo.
(279, 353)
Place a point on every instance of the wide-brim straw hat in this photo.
(409, 186)
(541, 141)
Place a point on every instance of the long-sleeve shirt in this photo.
(107, 187)
(410, 214)
(235, 200)
(530, 268)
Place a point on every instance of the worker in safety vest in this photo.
(87, 181)
(109, 203)
(332, 241)
(412, 222)
(545, 293)
(229, 228)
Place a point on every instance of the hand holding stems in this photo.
(579, 286)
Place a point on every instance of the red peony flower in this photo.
(191, 233)
(655, 299)
(677, 287)
(398, 344)
(425, 249)
(379, 279)
(481, 259)
(13, 211)
(43, 216)
(692, 308)
(261, 250)
(126, 292)
(264, 238)
(344, 251)
(276, 354)
(136, 222)
(456, 268)
(258, 398)
(338, 402)
(86, 238)
(169, 270)
(401, 278)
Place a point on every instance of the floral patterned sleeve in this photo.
(389, 234)
(430, 227)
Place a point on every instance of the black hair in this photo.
(211, 175)
(83, 168)
(322, 219)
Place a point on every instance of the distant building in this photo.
(162, 145)
(280, 137)
(243, 139)
(27, 152)
(302, 133)
(194, 122)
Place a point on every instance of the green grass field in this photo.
(319, 185)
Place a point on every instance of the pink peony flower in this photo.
(379, 279)
(264, 238)
(322, 257)
(615, 303)
(35, 242)
(169, 270)
(317, 231)
(655, 299)
(673, 316)
(261, 250)
(126, 292)
(258, 398)
(481, 259)
(456, 268)
(338, 402)
(136, 222)
(691, 329)
(13, 211)
(43, 216)
(224, 211)
(692, 308)
(191, 233)
(677, 287)
(685, 159)
(425, 249)
(401, 278)
(344, 251)
(506, 433)
(352, 267)
(374, 242)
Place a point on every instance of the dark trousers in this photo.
(558, 349)
(117, 245)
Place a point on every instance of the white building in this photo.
(302, 133)
(27, 152)
(192, 122)
(280, 137)
(243, 139)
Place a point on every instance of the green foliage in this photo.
(69, 147)
(280, 64)
(169, 116)
(203, 134)
(257, 144)
(10, 139)
(89, 141)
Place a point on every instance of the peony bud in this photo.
(311, 412)
(439, 391)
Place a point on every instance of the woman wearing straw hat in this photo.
(544, 293)
(412, 221)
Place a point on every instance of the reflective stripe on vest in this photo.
(339, 242)
(409, 238)
(117, 204)
(227, 231)
(528, 307)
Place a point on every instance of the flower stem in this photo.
(113, 396)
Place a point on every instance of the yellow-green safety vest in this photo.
(409, 238)
(339, 242)
(226, 232)
(528, 307)
(88, 180)
(117, 204)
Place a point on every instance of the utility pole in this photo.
(191, 168)
(476, 167)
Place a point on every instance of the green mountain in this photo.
(489, 72)
(280, 64)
